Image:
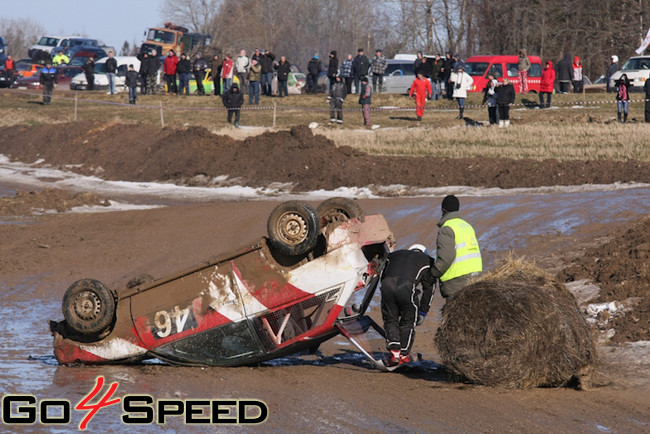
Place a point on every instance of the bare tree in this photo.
(20, 34)
(197, 15)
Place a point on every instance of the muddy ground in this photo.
(41, 254)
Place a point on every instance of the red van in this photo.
(502, 66)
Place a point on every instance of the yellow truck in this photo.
(172, 37)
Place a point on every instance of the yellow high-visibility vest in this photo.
(468, 255)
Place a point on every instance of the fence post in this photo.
(162, 119)
(275, 109)
(75, 106)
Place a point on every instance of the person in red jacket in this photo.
(169, 69)
(547, 85)
(421, 88)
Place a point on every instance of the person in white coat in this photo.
(461, 82)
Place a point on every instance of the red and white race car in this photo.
(284, 293)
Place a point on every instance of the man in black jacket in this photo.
(313, 71)
(447, 68)
(406, 291)
(266, 62)
(505, 99)
(110, 67)
(360, 67)
(184, 70)
(332, 68)
(89, 72)
(47, 79)
(198, 69)
(153, 65)
(142, 72)
(233, 99)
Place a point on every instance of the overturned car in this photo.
(287, 292)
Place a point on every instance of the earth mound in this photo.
(50, 199)
(516, 327)
(297, 156)
(621, 268)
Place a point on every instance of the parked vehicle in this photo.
(26, 68)
(398, 76)
(3, 49)
(637, 69)
(101, 80)
(64, 74)
(81, 57)
(281, 294)
(172, 37)
(479, 67)
(51, 44)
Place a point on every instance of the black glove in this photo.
(421, 316)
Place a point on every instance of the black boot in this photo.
(619, 116)
(624, 117)
(460, 114)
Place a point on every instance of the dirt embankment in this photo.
(309, 161)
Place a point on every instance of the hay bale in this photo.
(517, 327)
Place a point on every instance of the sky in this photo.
(110, 21)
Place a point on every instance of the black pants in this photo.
(504, 112)
(198, 76)
(377, 79)
(399, 310)
(143, 84)
(449, 89)
(236, 112)
(312, 83)
(564, 86)
(548, 99)
(647, 109)
(47, 93)
(348, 84)
(492, 114)
(90, 79)
(171, 83)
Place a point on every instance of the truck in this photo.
(172, 37)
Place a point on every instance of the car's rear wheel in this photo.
(338, 209)
(293, 227)
(88, 307)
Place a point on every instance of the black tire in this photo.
(293, 227)
(88, 307)
(338, 209)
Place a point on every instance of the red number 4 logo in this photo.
(94, 408)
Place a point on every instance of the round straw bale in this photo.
(516, 328)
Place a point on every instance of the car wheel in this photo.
(338, 209)
(293, 227)
(88, 307)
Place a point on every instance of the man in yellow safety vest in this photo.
(458, 256)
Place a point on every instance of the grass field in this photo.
(577, 127)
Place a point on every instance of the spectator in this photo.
(170, 66)
(332, 68)
(577, 75)
(623, 96)
(184, 70)
(490, 96)
(198, 69)
(418, 61)
(613, 68)
(313, 71)
(110, 68)
(254, 77)
(378, 67)
(365, 99)
(522, 71)
(142, 72)
(346, 73)
(360, 66)
(505, 99)
(447, 68)
(10, 69)
(131, 80)
(284, 68)
(89, 72)
(153, 65)
(461, 82)
(242, 65)
(217, 66)
(421, 90)
(227, 71)
(547, 85)
(425, 68)
(47, 79)
(266, 61)
(564, 73)
(233, 99)
(60, 59)
(337, 94)
(436, 77)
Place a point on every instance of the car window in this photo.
(476, 69)
(49, 42)
(400, 69)
(636, 63)
(535, 70)
(496, 70)
(161, 36)
(100, 68)
(513, 69)
(121, 70)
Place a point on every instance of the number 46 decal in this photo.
(169, 322)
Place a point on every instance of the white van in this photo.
(398, 76)
(637, 69)
(101, 80)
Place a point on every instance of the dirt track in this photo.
(41, 255)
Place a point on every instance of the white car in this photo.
(51, 44)
(637, 69)
(101, 80)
